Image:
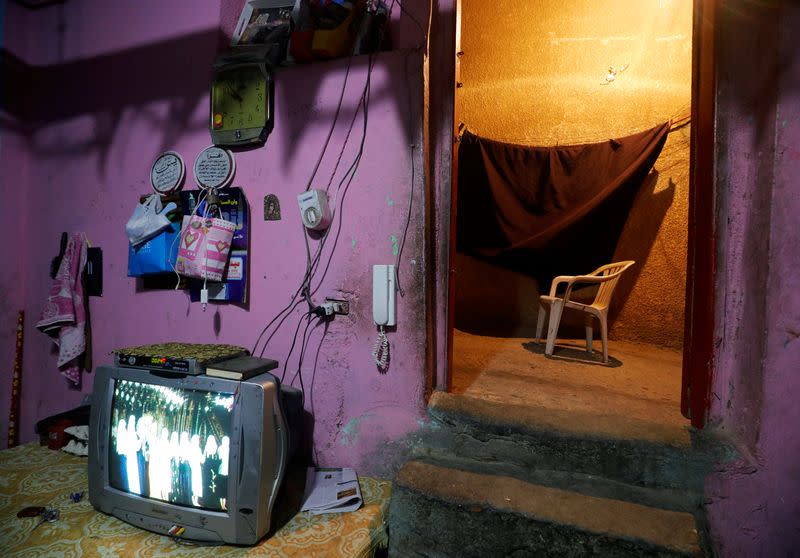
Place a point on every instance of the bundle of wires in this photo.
(312, 278)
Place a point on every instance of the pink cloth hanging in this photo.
(64, 316)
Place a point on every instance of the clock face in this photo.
(239, 98)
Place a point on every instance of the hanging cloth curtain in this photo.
(517, 202)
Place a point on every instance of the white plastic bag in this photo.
(148, 219)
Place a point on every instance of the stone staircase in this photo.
(489, 479)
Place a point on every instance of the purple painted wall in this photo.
(754, 503)
(87, 157)
(132, 81)
(14, 165)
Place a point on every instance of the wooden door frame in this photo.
(455, 138)
(699, 322)
(701, 254)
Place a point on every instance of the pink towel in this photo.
(64, 317)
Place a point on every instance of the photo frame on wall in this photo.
(264, 22)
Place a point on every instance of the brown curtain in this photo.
(549, 210)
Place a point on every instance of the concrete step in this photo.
(590, 485)
(439, 511)
(518, 440)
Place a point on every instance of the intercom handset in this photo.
(383, 295)
(384, 313)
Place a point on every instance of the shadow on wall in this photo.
(176, 71)
(744, 31)
(300, 88)
(639, 236)
(492, 300)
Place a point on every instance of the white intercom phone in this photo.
(384, 304)
(383, 295)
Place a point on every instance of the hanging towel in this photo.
(64, 316)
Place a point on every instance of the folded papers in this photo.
(331, 490)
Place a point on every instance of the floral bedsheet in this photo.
(32, 475)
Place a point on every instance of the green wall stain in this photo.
(349, 432)
(395, 246)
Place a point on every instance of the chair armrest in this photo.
(594, 278)
(558, 280)
(571, 280)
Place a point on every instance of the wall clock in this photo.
(241, 98)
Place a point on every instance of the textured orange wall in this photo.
(535, 73)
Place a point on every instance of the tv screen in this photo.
(170, 444)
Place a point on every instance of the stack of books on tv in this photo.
(241, 368)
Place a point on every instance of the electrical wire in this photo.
(311, 384)
(312, 263)
(349, 176)
(412, 147)
(333, 124)
(294, 342)
(303, 346)
(414, 19)
(352, 123)
(300, 364)
(283, 315)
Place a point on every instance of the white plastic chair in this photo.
(607, 276)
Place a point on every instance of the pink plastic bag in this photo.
(204, 247)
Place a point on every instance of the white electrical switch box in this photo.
(314, 209)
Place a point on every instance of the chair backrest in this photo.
(603, 298)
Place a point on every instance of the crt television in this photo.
(191, 456)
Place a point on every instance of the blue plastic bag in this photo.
(157, 255)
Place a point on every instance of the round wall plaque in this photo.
(214, 168)
(167, 173)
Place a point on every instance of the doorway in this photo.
(545, 75)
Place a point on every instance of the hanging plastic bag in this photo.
(204, 247)
(148, 219)
(157, 255)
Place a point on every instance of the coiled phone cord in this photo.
(381, 351)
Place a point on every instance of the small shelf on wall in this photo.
(38, 4)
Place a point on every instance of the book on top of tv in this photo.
(241, 368)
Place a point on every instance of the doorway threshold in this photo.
(510, 380)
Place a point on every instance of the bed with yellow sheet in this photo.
(32, 475)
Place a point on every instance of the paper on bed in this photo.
(331, 490)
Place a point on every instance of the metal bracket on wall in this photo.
(93, 272)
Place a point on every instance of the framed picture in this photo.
(263, 22)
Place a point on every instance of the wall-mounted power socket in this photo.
(338, 306)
